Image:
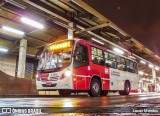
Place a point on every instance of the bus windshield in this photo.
(57, 57)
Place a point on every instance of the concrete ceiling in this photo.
(55, 15)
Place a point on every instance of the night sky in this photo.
(139, 18)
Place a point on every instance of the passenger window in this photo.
(130, 66)
(110, 60)
(120, 63)
(135, 67)
(97, 56)
(80, 56)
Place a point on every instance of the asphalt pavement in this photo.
(83, 104)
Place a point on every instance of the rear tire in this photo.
(64, 93)
(95, 88)
(103, 93)
(126, 89)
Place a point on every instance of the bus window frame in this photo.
(97, 55)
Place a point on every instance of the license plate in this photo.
(48, 84)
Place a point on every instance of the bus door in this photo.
(80, 64)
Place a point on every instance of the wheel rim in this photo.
(95, 87)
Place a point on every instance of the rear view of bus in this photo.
(54, 68)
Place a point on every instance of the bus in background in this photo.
(81, 66)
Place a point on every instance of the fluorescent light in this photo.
(157, 68)
(141, 72)
(143, 62)
(146, 74)
(9, 29)
(32, 23)
(3, 50)
(132, 57)
(118, 51)
(97, 41)
(150, 65)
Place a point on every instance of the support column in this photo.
(22, 58)
(70, 31)
(154, 77)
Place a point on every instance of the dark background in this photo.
(139, 18)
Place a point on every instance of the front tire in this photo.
(126, 89)
(95, 88)
(64, 93)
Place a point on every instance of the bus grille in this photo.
(53, 78)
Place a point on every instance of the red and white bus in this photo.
(82, 66)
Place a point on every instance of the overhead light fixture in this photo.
(141, 72)
(97, 41)
(3, 50)
(146, 74)
(132, 57)
(142, 62)
(157, 68)
(118, 51)
(150, 65)
(12, 30)
(32, 23)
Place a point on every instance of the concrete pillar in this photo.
(22, 58)
(154, 77)
(70, 31)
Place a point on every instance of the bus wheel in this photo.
(95, 88)
(64, 93)
(103, 93)
(126, 89)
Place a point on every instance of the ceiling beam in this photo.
(48, 9)
(93, 28)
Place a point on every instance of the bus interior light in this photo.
(32, 23)
(97, 41)
(118, 51)
(12, 30)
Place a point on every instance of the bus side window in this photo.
(135, 67)
(81, 56)
(121, 63)
(127, 65)
(97, 56)
(130, 66)
(110, 60)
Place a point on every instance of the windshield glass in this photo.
(55, 58)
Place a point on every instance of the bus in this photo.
(77, 65)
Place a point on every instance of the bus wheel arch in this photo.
(95, 86)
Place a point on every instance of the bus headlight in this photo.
(37, 75)
(67, 73)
